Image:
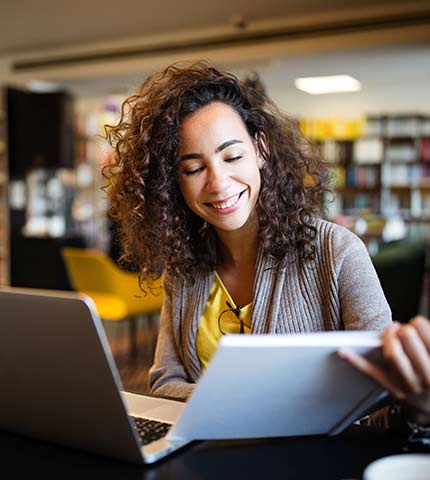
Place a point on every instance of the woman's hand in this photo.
(406, 375)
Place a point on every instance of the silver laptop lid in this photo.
(58, 376)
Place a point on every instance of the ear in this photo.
(263, 145)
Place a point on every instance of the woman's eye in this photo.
(232, 159)
(193, 171)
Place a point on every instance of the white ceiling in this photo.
(387, 72)
(393, 79)
(30, 24)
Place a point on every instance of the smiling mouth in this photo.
(224, 204)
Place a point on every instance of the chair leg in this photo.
(133, 336)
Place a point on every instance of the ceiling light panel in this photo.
(328, 84)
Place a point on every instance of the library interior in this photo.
(60, 87)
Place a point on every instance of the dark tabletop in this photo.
(342, 457)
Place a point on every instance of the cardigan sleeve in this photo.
(167, 375)
(362, 300)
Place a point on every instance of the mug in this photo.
(407, 466)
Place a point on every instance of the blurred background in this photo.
(65, 68)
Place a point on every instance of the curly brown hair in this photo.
(158, 232)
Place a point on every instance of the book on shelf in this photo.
(407, 125)
(365, 176)
(368, 150)
(401, 152)
(360, 202)
(425, 127)
(425, 149)
(339, 177)
(420, 203)
(374, 126)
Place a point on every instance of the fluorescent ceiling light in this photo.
(328, 84)
(41, 86)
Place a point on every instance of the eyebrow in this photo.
(220, 148)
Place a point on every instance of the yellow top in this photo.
(208, 332)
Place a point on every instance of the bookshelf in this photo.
(381, 168)
(92, 153)
(4, 209)
(405, 175)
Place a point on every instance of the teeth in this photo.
(227, 204)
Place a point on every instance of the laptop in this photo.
(60, 383)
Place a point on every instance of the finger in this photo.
(422, 326)
(373, 371)
(391, 328)
(418, 354)
(390, 331)
(399, 361)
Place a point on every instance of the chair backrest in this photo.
(401, 268)
(92, 271)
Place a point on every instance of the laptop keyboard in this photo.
(150, 430)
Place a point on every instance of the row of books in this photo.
(335, 151)
(420, 203)
(368, 176)
(412, 175)
(357, 176)
(414, 206)
(382, 126)
(321, 129)
(403, 152)
(412, 125)
(361, 201)
(368, 150)
(418, 229)
(371, 150)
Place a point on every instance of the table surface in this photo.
(319, 457)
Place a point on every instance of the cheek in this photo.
(257, 180)
(258, 188)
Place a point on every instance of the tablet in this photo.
(270, 385)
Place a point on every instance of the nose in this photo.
(217, 179)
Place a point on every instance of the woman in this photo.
(220, 192)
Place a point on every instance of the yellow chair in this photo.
(115, 291)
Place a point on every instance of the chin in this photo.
(230, 227)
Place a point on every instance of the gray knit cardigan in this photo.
(338, 291)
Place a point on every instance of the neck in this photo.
(240, 247)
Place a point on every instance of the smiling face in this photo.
(219, 171)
